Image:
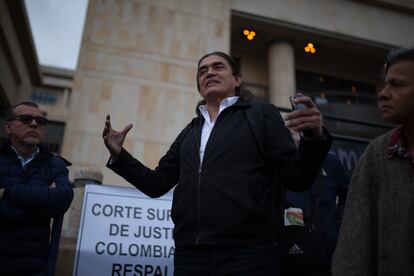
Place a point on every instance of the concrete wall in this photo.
(138, 63)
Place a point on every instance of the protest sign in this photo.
(124, 232)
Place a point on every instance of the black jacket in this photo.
(27, 206)
(230, 197)
(329, 190)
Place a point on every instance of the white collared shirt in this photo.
(28, 159)
(208, 124)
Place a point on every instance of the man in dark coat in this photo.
(34, 189)
(225, 168)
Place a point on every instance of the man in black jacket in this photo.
(34, 188)
(226, 173)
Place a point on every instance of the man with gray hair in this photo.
(376, 236)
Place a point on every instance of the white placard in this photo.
(124, 232)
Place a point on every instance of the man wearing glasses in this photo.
(34, 189)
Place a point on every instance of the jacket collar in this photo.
(243, 103)
(6, 148)
(240, 103)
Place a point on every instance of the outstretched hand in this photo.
(308, 118)
(114, 139)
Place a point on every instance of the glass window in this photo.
(44, 97)
(326, 89)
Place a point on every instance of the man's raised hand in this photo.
(114, 139)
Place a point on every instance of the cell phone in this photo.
(294, 105)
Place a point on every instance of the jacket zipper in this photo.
(198, 204)
(199, 188)
(200, 171)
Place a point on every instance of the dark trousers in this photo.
(246, 260)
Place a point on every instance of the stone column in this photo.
(282, 83)
(70, 229)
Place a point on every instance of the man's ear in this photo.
(7, 128)
(237, 80)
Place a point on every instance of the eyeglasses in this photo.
(28, 119)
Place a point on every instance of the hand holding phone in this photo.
(296, 106)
